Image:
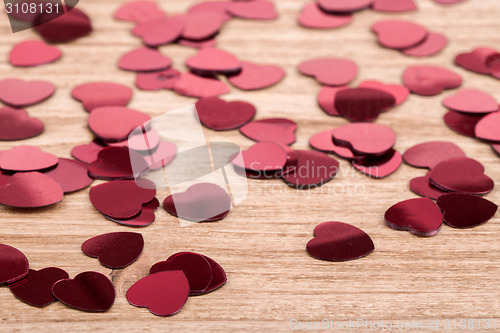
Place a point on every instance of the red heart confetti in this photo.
(36, 288)
(120, 199)
(343, 6)
(487, 127)
(311, 169)
(117, 163)
(99, 94)
(380, 166)
(72, 25)
(203, 202)
(399, 92)
(219, 7)
(274, 130)
(326, 99)
(322, 141)
(163, 293)
(196, 268)
(143, 219)
(16, 124)
(30, 190)
(192, 85)
(313, 17)
(26, 158)
(19, 93)
(124, 121)
(423, 187)
(71, 175)
(159, 32)
(365, 138)
(88, 291)
(202, 25)
(420, 216)
(213, 61)
(429, 154)
(471, 101)
(116, 249)
(392, 6)
(87, 153)
(219, 277)
(255, 77)
(164, 79)
(33, 53)
(397, 34)
(362, 104)
(432, 45)
(220, 115)
(139, 11)
(330, 71)
(337, 241)
(463, 123)
(476, 60)
(253, 10)
(465, 210)
(430, 80)
(461, 174)
(262, 157)
(144, 59)
(13, 263)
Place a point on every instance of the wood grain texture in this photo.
(261, 244)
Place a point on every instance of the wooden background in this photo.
(261, 244)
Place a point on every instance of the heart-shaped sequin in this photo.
(362, 104)
(71, 175)
(277, 130)
(88, 291)
(322, 141)
(471, 101)
(59, 28)
(213, 61)
(164, 79)
(399, 92)
(461, 174)
(160, 31)
(219, 7)
(253, 10)
(26, 158)
(326, 99)
(220, 115)
(463, 210)
(30, 190)
(117, 163)
(120, 199)
(262, 157)
(139, 11)
(124, 121)
(192, 85)
(487, 127)
(203, 202)
(199, 26)
(429, 154)
(397, 34)
(379, 166)
(330, 71)
(36, 288)
(115, 249)
(99, 94)
(463, 123)
(33, 53)
(391, 6)
(87, 153)
(420, 216)
(143, 219)
(423, 187)
(16, 124)
(365, 139)
(19, 93)
(310, 169)
(313, 17)
(430, 80)
(475, 60)
(255, 77)
(13, 264)
(337, 241)
(432, 44)
(144, 59)
(163, 293)
(344, 6)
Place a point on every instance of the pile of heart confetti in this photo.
(126, 142)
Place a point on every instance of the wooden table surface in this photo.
(261, 244)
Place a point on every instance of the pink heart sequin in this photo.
(19, 93)
(33, 53)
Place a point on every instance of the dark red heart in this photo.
(36, 288)
(163, 293)
(143, 219)
(117, 163)
(220, 115)
(487, 127)
(59, 28)
(115, 249)
(99, 94)
(71, 175)
(310, 170)
(87, 153)
(13, 264)
(88, 291)
(337, 241)
(30, 190)
(423, 187)
(465, 210)
(463, 123)
(363, 104)
(16, 124)
(420, 216)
